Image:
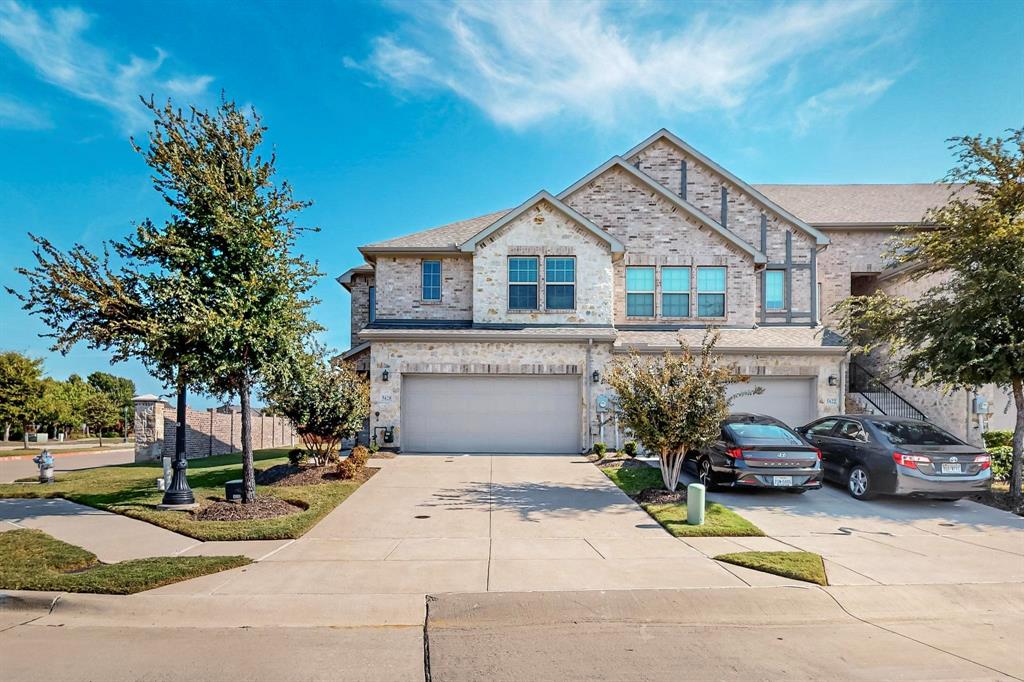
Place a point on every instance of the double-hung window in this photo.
(560, 283)
(711, 292)
(522, 283)
(430, 280)
(640, 292)
(775, 290)
(675, 292)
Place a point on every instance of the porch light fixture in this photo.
(384, 376)
(596, 376)
(833, 380)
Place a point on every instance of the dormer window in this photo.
(430, 271)
(522, 283)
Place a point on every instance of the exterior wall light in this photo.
(596, 376)
(833, 380)
(384, 376)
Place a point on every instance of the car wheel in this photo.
(704, 473)
(858, 482)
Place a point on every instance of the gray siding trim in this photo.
(682, 180)
(725, 207)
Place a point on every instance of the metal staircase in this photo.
(877, 397)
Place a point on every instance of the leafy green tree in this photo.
(327, 403)
(99, 412)
(674, 403)
(967, 329)
(21, 389)
(120, 390)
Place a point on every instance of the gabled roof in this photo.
(819, 237)
(443, 238)
(675, 200)
(345, 279)
(542, 196)
(863, 205)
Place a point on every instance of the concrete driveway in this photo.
(475, 523)
(885, 541)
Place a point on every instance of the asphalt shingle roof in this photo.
(775, 338)
(451, 234)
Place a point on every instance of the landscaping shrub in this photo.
(630, 448)
(995, 439)
(600, 449)
(374, 448)
(351, 466)
(1002, 458)
(296, 457)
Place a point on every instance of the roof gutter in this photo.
(739, 350)
(467, 336)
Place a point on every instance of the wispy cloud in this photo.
(523, 62)
(21, 116)
(835, 103)
(55, 45)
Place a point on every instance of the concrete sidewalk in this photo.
(112, 537)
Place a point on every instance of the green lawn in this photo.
(805, 566)
(719, 520)
(130, 490)
(32, 560)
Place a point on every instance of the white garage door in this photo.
(790, 399)
(507, 414)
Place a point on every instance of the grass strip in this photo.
(719, 520)
(32, 560)
(806, 566)
(130, 490)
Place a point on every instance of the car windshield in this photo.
(761, 434)
(909, 433)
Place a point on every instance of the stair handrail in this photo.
(888, 390)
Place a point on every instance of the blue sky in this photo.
(399, 116)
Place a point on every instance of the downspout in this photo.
(590, 394)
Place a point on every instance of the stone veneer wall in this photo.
(407, 357)
(543, 231)
(360, 290)
(207, 432)
(399, 288)
(656, 233)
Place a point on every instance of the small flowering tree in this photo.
(674, 403)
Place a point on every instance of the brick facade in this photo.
(360, 314)
(850, 252)
(399, 288)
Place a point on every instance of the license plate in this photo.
(951, 469)
(782, 481)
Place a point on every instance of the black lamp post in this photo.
(178, 492)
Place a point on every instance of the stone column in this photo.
(149, 428)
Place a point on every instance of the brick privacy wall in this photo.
(655, 233)
(208, 432)
(399, 290)
(543, 231)
(360, 289)
(851, 251)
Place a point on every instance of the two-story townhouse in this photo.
(494, 334)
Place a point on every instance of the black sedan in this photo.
(757, 451)
(874, 455)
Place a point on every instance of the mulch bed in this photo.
(262, 508)
(999, 500)
(660, 496)
(615, 461)
(287, 474)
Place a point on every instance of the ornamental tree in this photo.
(326, 402)
(21, 389)
(99, 412)
(674, 403)
(967, 329)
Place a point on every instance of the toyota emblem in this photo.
(953, 459)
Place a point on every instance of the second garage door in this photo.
(504, 414)
(790, 399)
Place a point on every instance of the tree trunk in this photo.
(101, 436)
(671, 466)
(248, 472)
(1018, 440)
(24, 436)
(7, 431)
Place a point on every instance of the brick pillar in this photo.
(149, 428)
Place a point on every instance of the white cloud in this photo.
(522, 62)
(55, 46)
(21, 116)
(836, 102)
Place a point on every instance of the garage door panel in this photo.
(790, 399)
(527, 414)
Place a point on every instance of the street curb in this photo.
(28, 602)
(57, 454)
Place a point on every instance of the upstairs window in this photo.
(711, 292)
(373, 304)
(431, 280)
(522, 283)
(675, 292)
(775, 290)
(640, 292)
(560, 283)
